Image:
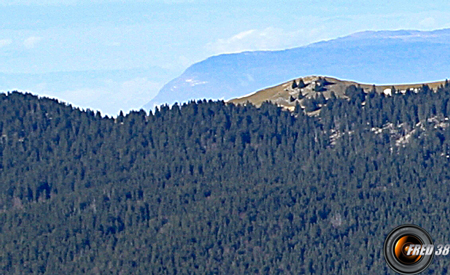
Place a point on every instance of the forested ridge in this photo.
(213, 188)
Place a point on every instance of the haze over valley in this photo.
(108, 56)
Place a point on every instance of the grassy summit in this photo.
(290, 93)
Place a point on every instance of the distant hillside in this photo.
(369, 57)
(301, 90)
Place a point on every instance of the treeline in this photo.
(213, 188)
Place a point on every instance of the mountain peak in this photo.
(401, 56)
(400, 34)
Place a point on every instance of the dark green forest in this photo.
(208, 187)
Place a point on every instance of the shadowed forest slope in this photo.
(215, 188)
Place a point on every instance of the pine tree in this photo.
(301, 84)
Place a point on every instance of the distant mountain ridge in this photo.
(371, 57)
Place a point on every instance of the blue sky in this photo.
(112, 55)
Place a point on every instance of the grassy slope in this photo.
(280, 94)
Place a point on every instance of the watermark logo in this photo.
(409, 249)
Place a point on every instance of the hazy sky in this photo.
(147, 43)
